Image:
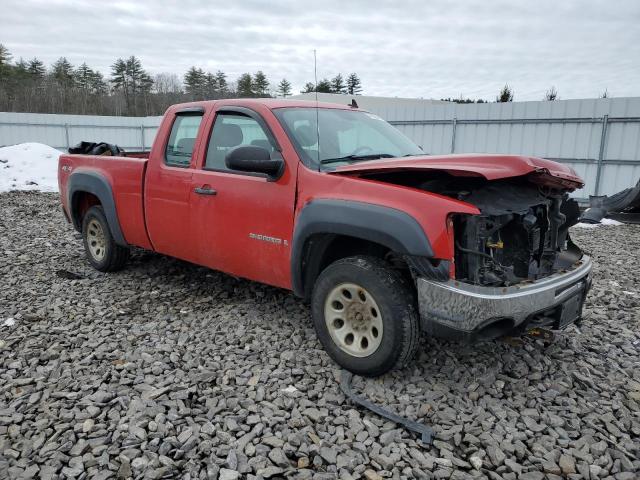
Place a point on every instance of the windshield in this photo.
(346, 136)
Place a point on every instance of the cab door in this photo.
(168, 186)
(242, 221)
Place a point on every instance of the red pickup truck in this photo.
(332, 202)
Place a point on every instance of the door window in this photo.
(232, 130)
(182, 140)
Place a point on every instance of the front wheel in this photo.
(365, 315)
(102, 251)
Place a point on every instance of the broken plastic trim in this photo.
(425, 432)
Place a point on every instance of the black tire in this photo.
(114, 256)
(396, 301)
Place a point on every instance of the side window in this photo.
(231, 130)
(182, 139)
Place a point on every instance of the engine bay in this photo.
(525, 238)
(521, 234)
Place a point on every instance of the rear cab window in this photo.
(182, 139)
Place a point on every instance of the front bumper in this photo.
(454, 309)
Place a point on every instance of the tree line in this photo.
(29, 86)
(506, 94)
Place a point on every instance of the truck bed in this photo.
(125, 178)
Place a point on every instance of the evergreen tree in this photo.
(83, 76)
(505, 95)
(245, 86)
(5, 61)
(119, 75)
(21, 67)
(284, 88)
(210, 86)
(62, 71)
(20, 75)
(98, 84)
(260, 84)
(221, 82)
(337, 84)
(132, 80)
(195, 82)
(5, 56)
(36, 68)
(308, 88)
(551, 95)
(354, 86)
(324, 86)
(140, 81)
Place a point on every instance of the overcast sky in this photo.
(429, 49)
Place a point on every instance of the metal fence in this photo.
(599, 138)
(604, 124)
(63, 131)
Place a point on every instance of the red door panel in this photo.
(245, 228)
(167, 211)
(168, 183)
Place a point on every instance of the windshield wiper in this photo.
(357, 158)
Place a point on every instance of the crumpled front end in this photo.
(515, 265)
(459, 310)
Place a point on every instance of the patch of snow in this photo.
(610, 221)
(604, 221)
(9, 322)
(29, 166)
(586, 225)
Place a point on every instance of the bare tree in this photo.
(167, 83)
(551, 94)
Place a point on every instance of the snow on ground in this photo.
(604, 221)
(29, 166)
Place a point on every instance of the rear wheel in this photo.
(365, 316)
(102, 251)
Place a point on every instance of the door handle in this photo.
(205, 191)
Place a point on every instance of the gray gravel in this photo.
(168, 370)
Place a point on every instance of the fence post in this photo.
(454, 122)
(66, 135)
(142, 136)
(603, 141)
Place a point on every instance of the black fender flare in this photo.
(393, 228)
(96, 184)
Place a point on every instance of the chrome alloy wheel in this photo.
(96, 240)
(353, 319)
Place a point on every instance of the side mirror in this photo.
(254, 159)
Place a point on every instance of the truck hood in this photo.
(492, 167)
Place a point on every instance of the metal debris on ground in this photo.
(623, 206)
(425, 432)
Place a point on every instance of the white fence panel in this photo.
(599, 138)
(63, 131)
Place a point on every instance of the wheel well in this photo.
(80, 203)
(321, 250)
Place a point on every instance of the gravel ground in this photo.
(168, 370)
